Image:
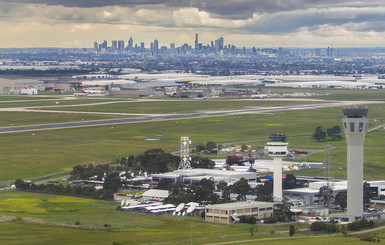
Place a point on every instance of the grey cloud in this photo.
(353, 18)
(231, 9)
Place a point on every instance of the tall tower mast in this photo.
(277, 149)
(355, 123)
(184, 153)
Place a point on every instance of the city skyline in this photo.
(244, 23)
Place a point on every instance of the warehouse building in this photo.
(230, 212)
(195, 175)
(7, 86)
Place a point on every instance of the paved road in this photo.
(175, 116)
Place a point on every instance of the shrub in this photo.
(369, 238)
(322, 226)
(360, 224)
(248, 219)
(270, 220)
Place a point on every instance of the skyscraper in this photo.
(196, 42)
(114, 45)
(156, 46)
(130, 44)
(120, 45)
(142, 48)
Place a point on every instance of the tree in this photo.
(264, 192)
(290, 182)
(334, 133)
(341, 200)
(291, 231)
(325, 194)
(221, 186)
(202, 162)
(211, 147)
(319, 134)
(242, 188)
(203, 191)
(112, 182)
(282, 210)
(178, 193)
(251, 231)
(368, 194)
(226, 195)
(164, 184)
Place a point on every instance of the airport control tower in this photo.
(277, 149)
(355, 124)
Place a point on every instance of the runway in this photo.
(176, 116)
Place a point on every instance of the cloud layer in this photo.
(258, 23)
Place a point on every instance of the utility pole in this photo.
(328, 163)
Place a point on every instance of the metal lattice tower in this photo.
(184, 153)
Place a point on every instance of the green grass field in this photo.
(25, 155)
(335, 94)
(52, 102)
(50, 219)
(9, 119)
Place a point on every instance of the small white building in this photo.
(28, 91)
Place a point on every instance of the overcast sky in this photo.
(259, 23)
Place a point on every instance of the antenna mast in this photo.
(184, 153)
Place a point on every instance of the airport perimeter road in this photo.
(175, 116)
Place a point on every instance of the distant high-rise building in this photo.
(104, 44)
(130, 44)
(219, 44)
(142, 47)
(221, 41)
(216, 45)
(114, 45)
(151, 47)
(156, 46)
(196, 42)
(121, 45)
(96, 47)
(172, 46)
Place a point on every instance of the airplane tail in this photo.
(82, 89)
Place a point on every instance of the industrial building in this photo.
(230, 212)
(309, 195)
(189, 176)
(155, 195)
(7, 86)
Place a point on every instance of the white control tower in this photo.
(277, 149)
(355, 125)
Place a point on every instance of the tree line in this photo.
(333, 133)
(71, 190)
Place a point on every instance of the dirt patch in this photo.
(5, 218)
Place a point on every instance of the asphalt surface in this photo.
(172, 117)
